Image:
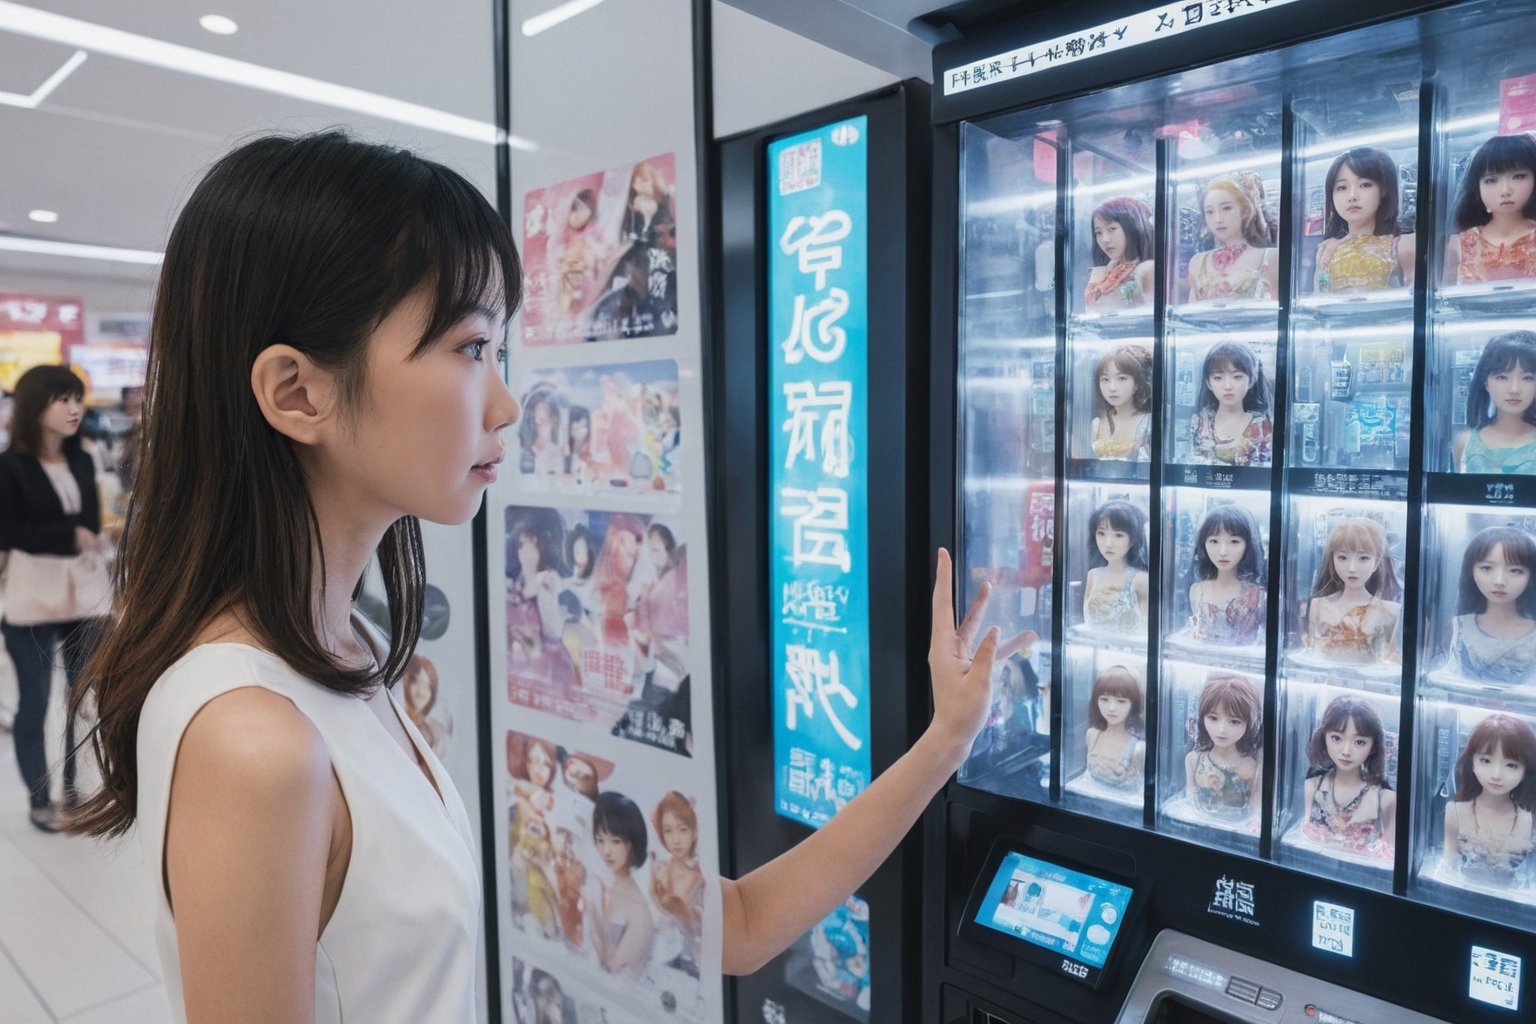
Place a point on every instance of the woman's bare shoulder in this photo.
(256, 739)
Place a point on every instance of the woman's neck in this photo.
(1498, 614)
(1505, 224)
(52, 449)
(348, 538)
(1356, 594)
(1226, 578)
(1511, 424)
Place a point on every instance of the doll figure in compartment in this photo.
(1352, 615)
(1227, 601)
(1122, 428)
(1495, 214)
(1122, 256)
(1362, 248)
(677, 884)
(622, 929)
(1493, 637)
(1501, 409)
(1242, 266)
(1014, 716)
(1221, 775)
(1231, 424)
(1350, 806)
(543, 454)
(1116, 750)
(1488, 827)
(1115, 588)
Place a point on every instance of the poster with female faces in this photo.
(600, 255)
(597, 621)
(601, 429)
(605, 879)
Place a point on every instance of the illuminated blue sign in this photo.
(818, 284)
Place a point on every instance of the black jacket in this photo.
(32, 518)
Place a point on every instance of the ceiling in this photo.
(115, 148)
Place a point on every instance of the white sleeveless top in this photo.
(401, 944)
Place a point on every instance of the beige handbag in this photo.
(37, 589)
(40, 589)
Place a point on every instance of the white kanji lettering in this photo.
(815, 682)
(829, 402)
(814, 331)
(812, 241)
(821, 525)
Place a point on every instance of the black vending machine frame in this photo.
(899, 133)
(1398, 941)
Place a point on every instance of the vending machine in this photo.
(1243, 385)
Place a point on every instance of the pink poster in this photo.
(600, 256)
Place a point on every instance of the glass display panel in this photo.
(1308, 442)
(1008, 359)
(1055, 908)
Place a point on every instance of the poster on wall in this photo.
(597, 621)
(830, 962)
(818, 284)
(605, 881)
(612, 429)
(600, 255)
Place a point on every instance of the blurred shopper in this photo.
(55, 578)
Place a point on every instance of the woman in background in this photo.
(48, 507)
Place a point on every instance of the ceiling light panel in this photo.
(218, 24)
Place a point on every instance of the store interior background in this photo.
(113, 141)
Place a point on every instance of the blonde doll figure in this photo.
(1241, 266)
(1115, 588)
(1121, 428)
(1221, 775)
(1122, 256)
(677, 884)
(1488, 827)
(1352, 615)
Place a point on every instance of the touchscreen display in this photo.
(1054, 907)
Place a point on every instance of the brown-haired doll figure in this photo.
(1493, 637)
(677, 884)
(1122, 255)
(1122, 395)
(1116, 752)
(1350, 805)
(1353, 613)
(1362, 247)
(1488, 827)
(1495, 214)
(1221, 775)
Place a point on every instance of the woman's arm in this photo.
(1453, 259)
(1144, 271)
(1324, 256)
(1389, 815)
(772, 906)
(248, 844)
(1269, 267)
(1189, 773)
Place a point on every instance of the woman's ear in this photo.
(296, 397)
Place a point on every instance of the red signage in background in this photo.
(35, 330)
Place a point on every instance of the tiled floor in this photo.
(76, 932)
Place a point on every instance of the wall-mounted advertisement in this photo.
(597, 621)
(611, 429)
(817, 401)
(605, 877)
(600, 255)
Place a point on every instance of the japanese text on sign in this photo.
(1111, 37)
(818, 318)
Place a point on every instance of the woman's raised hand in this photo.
(961, 670)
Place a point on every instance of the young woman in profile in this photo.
(323, 374)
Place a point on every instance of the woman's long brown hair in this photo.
(311, 242)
